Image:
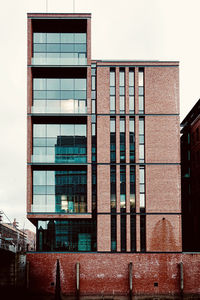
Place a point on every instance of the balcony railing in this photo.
(64, 208)
(59, 107)
(58, 61)
(68, 159)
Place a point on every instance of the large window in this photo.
(66, 235)
(59, 48)
(55, 95)
(59, 143)
(60, 191)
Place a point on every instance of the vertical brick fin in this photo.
(103, 139)
(103, 90)
(89, 41)
(103, 233)
(103, 188)
(29, 188)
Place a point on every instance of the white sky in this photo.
(128, 29)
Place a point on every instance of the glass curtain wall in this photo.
(59, 143)
(66, 235)
(59, 48)
(59, 95)
(60, 191)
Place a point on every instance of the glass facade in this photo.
(59, 48)
(59, 143)
(59, 95)
(60, 191)
(66, 235)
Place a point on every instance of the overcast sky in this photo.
(128, 29)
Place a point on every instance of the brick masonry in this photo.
(108, 273)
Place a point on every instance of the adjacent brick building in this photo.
(190, 172)
(103, 152)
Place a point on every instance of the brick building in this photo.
(190, 172)
(103, 160)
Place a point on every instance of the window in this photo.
(132, 139)
(113, 233)
(141, 139)
(122, 90)
(132, 188)
(93, 78)
(113, 188)
(123, 188)
(141, 90)
(122, 140)
(55, 95)
(60, 191)
(59, 48)
(112, 90)
(112, 140)
(66, 235)
(59, 143)
(142, 187)
(131, 90)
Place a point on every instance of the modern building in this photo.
(190, 172)
(103, 144)
(103, 161)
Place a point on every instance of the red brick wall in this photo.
(108, 273)
(163, 188)
(162, 90)
(162, 139)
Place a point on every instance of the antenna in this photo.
(73, 6)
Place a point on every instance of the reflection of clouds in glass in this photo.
(67, 106)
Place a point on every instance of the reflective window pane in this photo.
(39, 37)
(39, 130)
(53, 38)
(39, 177)
(53, 130)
